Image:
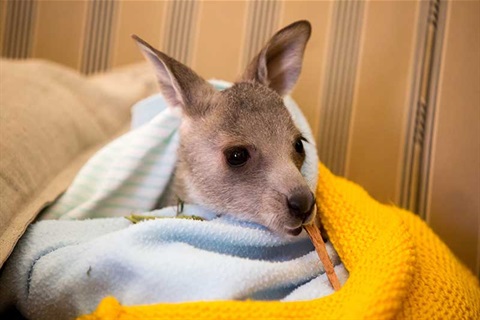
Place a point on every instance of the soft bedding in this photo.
(398, 269)
(63, 268)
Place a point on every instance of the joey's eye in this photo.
(299, 146)
(237, 156)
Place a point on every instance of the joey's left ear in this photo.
(279, 63)
(180, 85)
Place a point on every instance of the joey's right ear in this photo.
(279, 63)
(179, 84)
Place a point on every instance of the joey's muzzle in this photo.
(301, 204)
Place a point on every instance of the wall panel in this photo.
(381, 98)
(308, 91)
(261, 23)
(339, 83)
(454, 200)
(19, 24)
(143, 18)
(219, 39)
(3, 18)
(99, 36)
(181, 22)
(60, 30)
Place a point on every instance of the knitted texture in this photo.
(398, 269)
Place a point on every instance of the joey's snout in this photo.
(300, 204)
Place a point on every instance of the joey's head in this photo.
(240, 152)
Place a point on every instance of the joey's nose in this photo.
(300, 204)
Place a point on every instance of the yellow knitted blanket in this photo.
(398, 269)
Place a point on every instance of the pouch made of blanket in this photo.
(399, 269)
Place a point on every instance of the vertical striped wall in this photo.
(18, 23)
(262, 22)
(416, 166)
(179, 29)
(99, 26)
(339, 88)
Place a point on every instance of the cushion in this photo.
(52, 120)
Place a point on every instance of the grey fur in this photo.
(251, 113)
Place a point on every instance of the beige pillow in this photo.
(51, 121)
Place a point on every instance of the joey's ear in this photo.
(279, 63)
(179, 84)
